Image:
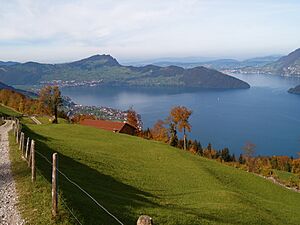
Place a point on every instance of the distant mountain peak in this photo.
(97, 61)
(290, 58)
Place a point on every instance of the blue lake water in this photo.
(265, 114)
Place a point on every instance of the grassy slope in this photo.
(8, 111)
(34, 198)
(48, 119)
(132, 176)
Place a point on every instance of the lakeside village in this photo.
(104, 113)
(72, 109)
(72, 83)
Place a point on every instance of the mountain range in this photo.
(106, 70)
(288, 65)
(219, 64)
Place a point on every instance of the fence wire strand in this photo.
(66, 205)
(80, 188)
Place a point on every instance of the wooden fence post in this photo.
(27, 148)
(17, 136)
(23, 145)
(33, 171)
(14, 129)
(20, 141)
(30, 153)
(54, 185)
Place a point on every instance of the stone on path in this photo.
(144, 220)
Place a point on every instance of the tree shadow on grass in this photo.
(119, 198)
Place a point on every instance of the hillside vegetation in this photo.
(7, 87)
(6, 111)
(132, 176)
(104, 69)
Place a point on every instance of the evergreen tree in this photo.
(241, 159)
(173, 135)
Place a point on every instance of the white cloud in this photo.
(59, 30)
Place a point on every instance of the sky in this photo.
(133, 30)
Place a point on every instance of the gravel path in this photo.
(9, 214)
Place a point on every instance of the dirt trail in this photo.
(9, 214)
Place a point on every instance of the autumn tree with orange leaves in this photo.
(160, 132)
(180, 115)
(133, 119)
(50, 96)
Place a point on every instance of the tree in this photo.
(241, 159)
(196, 147)
(180, 117)
(249, 149)
(50, 96)
(173, 135)
(159, 132)
(209, 148)
(80, 117)
(225, 155)
(133, 119)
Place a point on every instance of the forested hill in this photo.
(287, 65)
(104, 69)
(27, 93)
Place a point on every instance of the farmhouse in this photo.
(118, 127)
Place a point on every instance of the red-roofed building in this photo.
(117, 127)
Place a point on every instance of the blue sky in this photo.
(64, 30)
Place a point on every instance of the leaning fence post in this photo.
(54, 185)
(33, 171)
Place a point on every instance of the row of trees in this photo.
(21, 103)
(47, 103)
(178, 121)
(266, 164)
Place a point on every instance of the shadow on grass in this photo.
(119, 198)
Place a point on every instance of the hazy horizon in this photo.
(184, 59)
(63, 31)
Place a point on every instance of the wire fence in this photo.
(20, 139)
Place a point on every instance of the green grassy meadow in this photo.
(6, 111)
(131, 176)
(34, 198)
(48, 119)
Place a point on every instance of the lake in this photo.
(265, 114)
